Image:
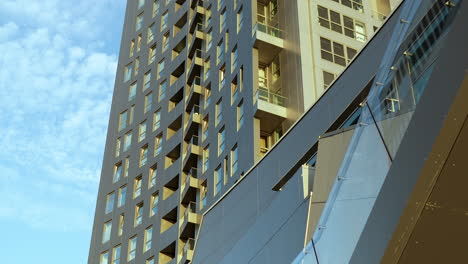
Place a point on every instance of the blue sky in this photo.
(57, 68)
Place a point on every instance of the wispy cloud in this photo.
(57, 70)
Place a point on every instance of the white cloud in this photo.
(56, 87)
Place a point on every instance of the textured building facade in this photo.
(204, 90)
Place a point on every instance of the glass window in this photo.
(161, 66)
(151, 32)
(147, 80)
(137, 187)
(148, 239)
(162, 90)
(327, 79)
(234, 160)
(138, 43)
(156, 120)
(121, 224)
(132, 48)
(150, 261)
(117, 172)
(148, 102)
(132, 91)
(154, 204)
(155, 7)
(164, 20)
(127, 166)
(206, 158)
(138, 214)
(143, 156)
(223, 19)
(203, 192)
(104, 258)
(218, 179)
(142, 131)
(240, 115)
(106, 233)
(141, 3)
(139, 22)
(152, 176)
(157, 145)
(137, 66)
(132, 243)
(128, 72)
(219, 112)
(127, 140)
(110, 202)
(240, 19)
(221, 140)
(152, 54)
(117, 147)
(123, 120)
(205, 128)
(130, 114)
(234, 56)
(122, 196)
(116, 254)
(165, 41)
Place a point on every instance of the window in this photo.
(341, 24)
(275, 68)
(121, 224)
(138, 43)
(155, 7)
(218, 180)
(132, 91)
(139, 22)
(207, 95)
(143, 155)
(234, 160)
(110, 202)
(148, 102)
(152, 176)
(117, 172)
(206, 158)
(117, 147)
(157, 145)
(132, 243)
(147, 80)
(221, 140)
(222, 77)
(156, 120)
(127, 165)
(138, 214)
(150, 261)
(152, 54)
(223, 18)
(220, 52)
(205, 128)
(104, 258)
(128, 72)
(141, 3)
(130, 114)
(137, 187)
(137, 66)
(154, 204)
(142, 131)
(164, 20)
(354, 4)
(327, 79)
(106, 233)
(148, 239)
(162, 90)
(240, 115)
(234, 90)
(161, 66)
(234, 56)
(151, 32)
(203, 192)
(123, 120)
(209, 39)
(219, 112)
(335, 52)
(122, 196)
(116, 254)
(165, 42)
(240, 20)
(132, 48)
(127, 141)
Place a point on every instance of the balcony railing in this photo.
(193, 142)
(274, 98)
(379, 16)
(262, 25)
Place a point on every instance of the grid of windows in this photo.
(342, 24)
(336, 52)
(354, 4)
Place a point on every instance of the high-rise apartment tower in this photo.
(203, 90)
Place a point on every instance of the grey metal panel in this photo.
(417, 143)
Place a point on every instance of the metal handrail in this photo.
(265, 94)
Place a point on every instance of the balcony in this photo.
(268, 39)
(193, 92)
(191, 154)
(186, 255)
(189, 186)
(270, 108)
(193, 122)
(189, 220)
(196, 37)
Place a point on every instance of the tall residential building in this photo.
(204, 89)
